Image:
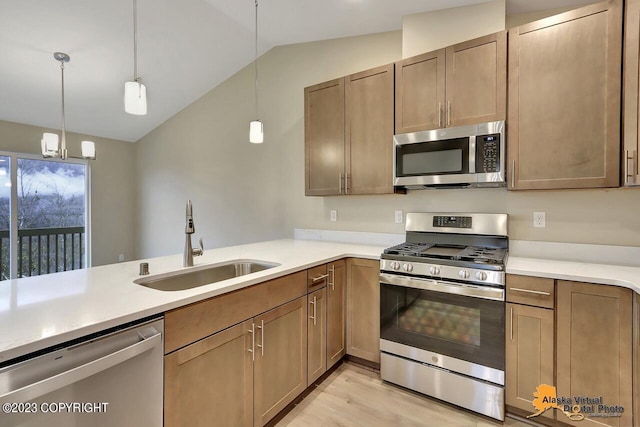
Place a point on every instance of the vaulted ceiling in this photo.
(185, 48)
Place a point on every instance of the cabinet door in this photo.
(369, 131)
(420, 86)
(210, 382)
(564, 100)
(476, 81)
(280, 367)
(316, 335)
(336, 312)
(594, 339)
(324, 138)
(529, 354)
(630, 94)
(363, 309)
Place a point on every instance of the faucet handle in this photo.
(199, 251)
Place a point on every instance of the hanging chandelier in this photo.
(54, 147)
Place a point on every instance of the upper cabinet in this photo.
(348, 134)
(631, 98)
(564, 99)
(460, 85)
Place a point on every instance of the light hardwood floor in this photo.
(355, 396)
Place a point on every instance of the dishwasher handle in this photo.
(63, 379)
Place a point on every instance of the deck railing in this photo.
(44, 250)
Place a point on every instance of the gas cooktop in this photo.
(437, 252)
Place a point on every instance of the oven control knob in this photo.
(481, 275)
(395, 265)
(435, 271)
(464, 274)
(407, 267)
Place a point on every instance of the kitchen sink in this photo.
(205, 275)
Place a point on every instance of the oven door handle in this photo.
(484, 292)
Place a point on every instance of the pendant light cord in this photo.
(255, 64)
(63, 143)
(135, 41)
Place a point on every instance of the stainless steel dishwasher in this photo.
(103, 380)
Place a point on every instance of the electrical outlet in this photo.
(399, 217)
(334, 215)
(120, 257)
(539, 220)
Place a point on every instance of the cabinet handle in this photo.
(511, 323)
(448, 113)
(317, 279)
(439, 114)
(530, 291)
(333, 277)
(253, 342)
(513, 174)
(314, 311)
(340, 183)
(630, 156)
(346, 183)
(261, 345)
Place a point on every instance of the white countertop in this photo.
(605, 274)
(38, 312)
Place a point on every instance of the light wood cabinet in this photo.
(463, 84)
(594, 340)
(564, 100)
(324, 138)
(348, 134)
(631, 94)
(210, 382)
(530, 340)
(336, 312)
(316, 335)
(363, 309)
(280, 366)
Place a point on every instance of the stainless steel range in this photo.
(442, 309)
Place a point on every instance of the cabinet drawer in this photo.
(317, 277)
(188, 324)
(536, 291)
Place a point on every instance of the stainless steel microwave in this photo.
(464, 156)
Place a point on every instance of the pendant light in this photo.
(51, 146)
(256, 130)
(135, 93)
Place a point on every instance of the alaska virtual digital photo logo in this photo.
(576, 408)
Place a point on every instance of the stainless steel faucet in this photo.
(189, 229)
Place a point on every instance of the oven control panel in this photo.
(452, 221)
(470, 275)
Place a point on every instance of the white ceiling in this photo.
(185, 48)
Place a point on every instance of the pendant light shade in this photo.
(135, 93)
(256, 129)
(135, 98)
(256, 132)
(56, 147)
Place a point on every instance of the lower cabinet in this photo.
(210, 382)
(336, 312)
(316, 335)
(363, 309)
(242, 376)
(280, 366)
(529, 355)
(594, 348)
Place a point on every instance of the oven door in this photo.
(462, 321)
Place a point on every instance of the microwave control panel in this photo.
(488, 153)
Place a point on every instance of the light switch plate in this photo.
(399, 217)
(539, 220)
(334, 215)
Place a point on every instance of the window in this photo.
(44, 210)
